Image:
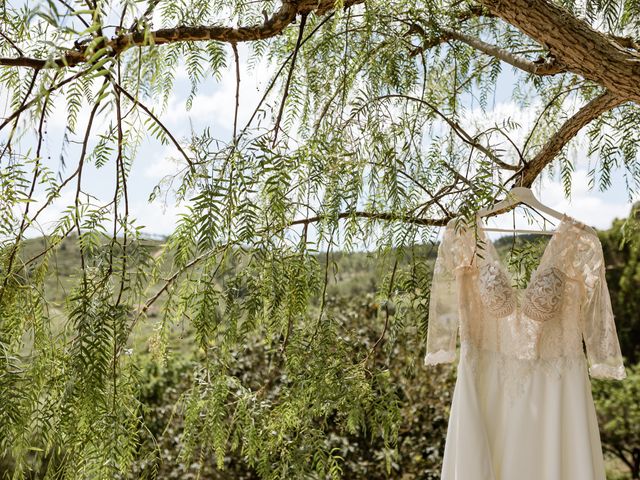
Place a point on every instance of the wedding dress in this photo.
(522, 407)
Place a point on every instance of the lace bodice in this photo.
(565, 303)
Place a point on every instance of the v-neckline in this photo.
(480, 224)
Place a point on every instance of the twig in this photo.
(12, 43)
(386, 310)
(34, 182)
(20, 109)
(83, 154)
(457, 129)
(276, 128)
(16, 113)
(277, 75)
(234, 46)
(158, 122)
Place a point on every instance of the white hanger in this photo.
(522, 195)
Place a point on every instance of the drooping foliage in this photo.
(364, 136)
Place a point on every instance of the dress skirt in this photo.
(508, 423)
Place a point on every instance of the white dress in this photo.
(522, 407)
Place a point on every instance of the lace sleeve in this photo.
(598, 325)
(442, 327)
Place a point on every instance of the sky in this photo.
(214, 108)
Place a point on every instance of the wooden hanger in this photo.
(516, 196)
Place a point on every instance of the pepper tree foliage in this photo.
(362, 134)
(618, 417)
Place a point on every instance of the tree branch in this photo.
(236, 58)
(627, 42)
(12, 43)
(271, 27)
(550, 67)
(151, 115)
(20, 109)
(392, 217)
(385, 327)
(583, 50)
(296, 49)
(26, 105)
(592, 110)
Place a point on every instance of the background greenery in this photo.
(416, 398)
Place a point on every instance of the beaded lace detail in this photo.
(543, 298)
(540, 327)
(495, 290)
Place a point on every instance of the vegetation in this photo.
(419, 396)
(619, 417)
(362, 138)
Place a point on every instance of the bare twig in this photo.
(83, 154)
(276, 128)
(236, 57)
(20, 109)
(386, 312)
(148, 111)
(12, 43)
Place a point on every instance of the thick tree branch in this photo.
(271, 27)
(571, 127)
(551, 67)
(585, 51)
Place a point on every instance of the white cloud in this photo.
(589, 206)
(216, 108)
(167, 162)
(157, 218)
